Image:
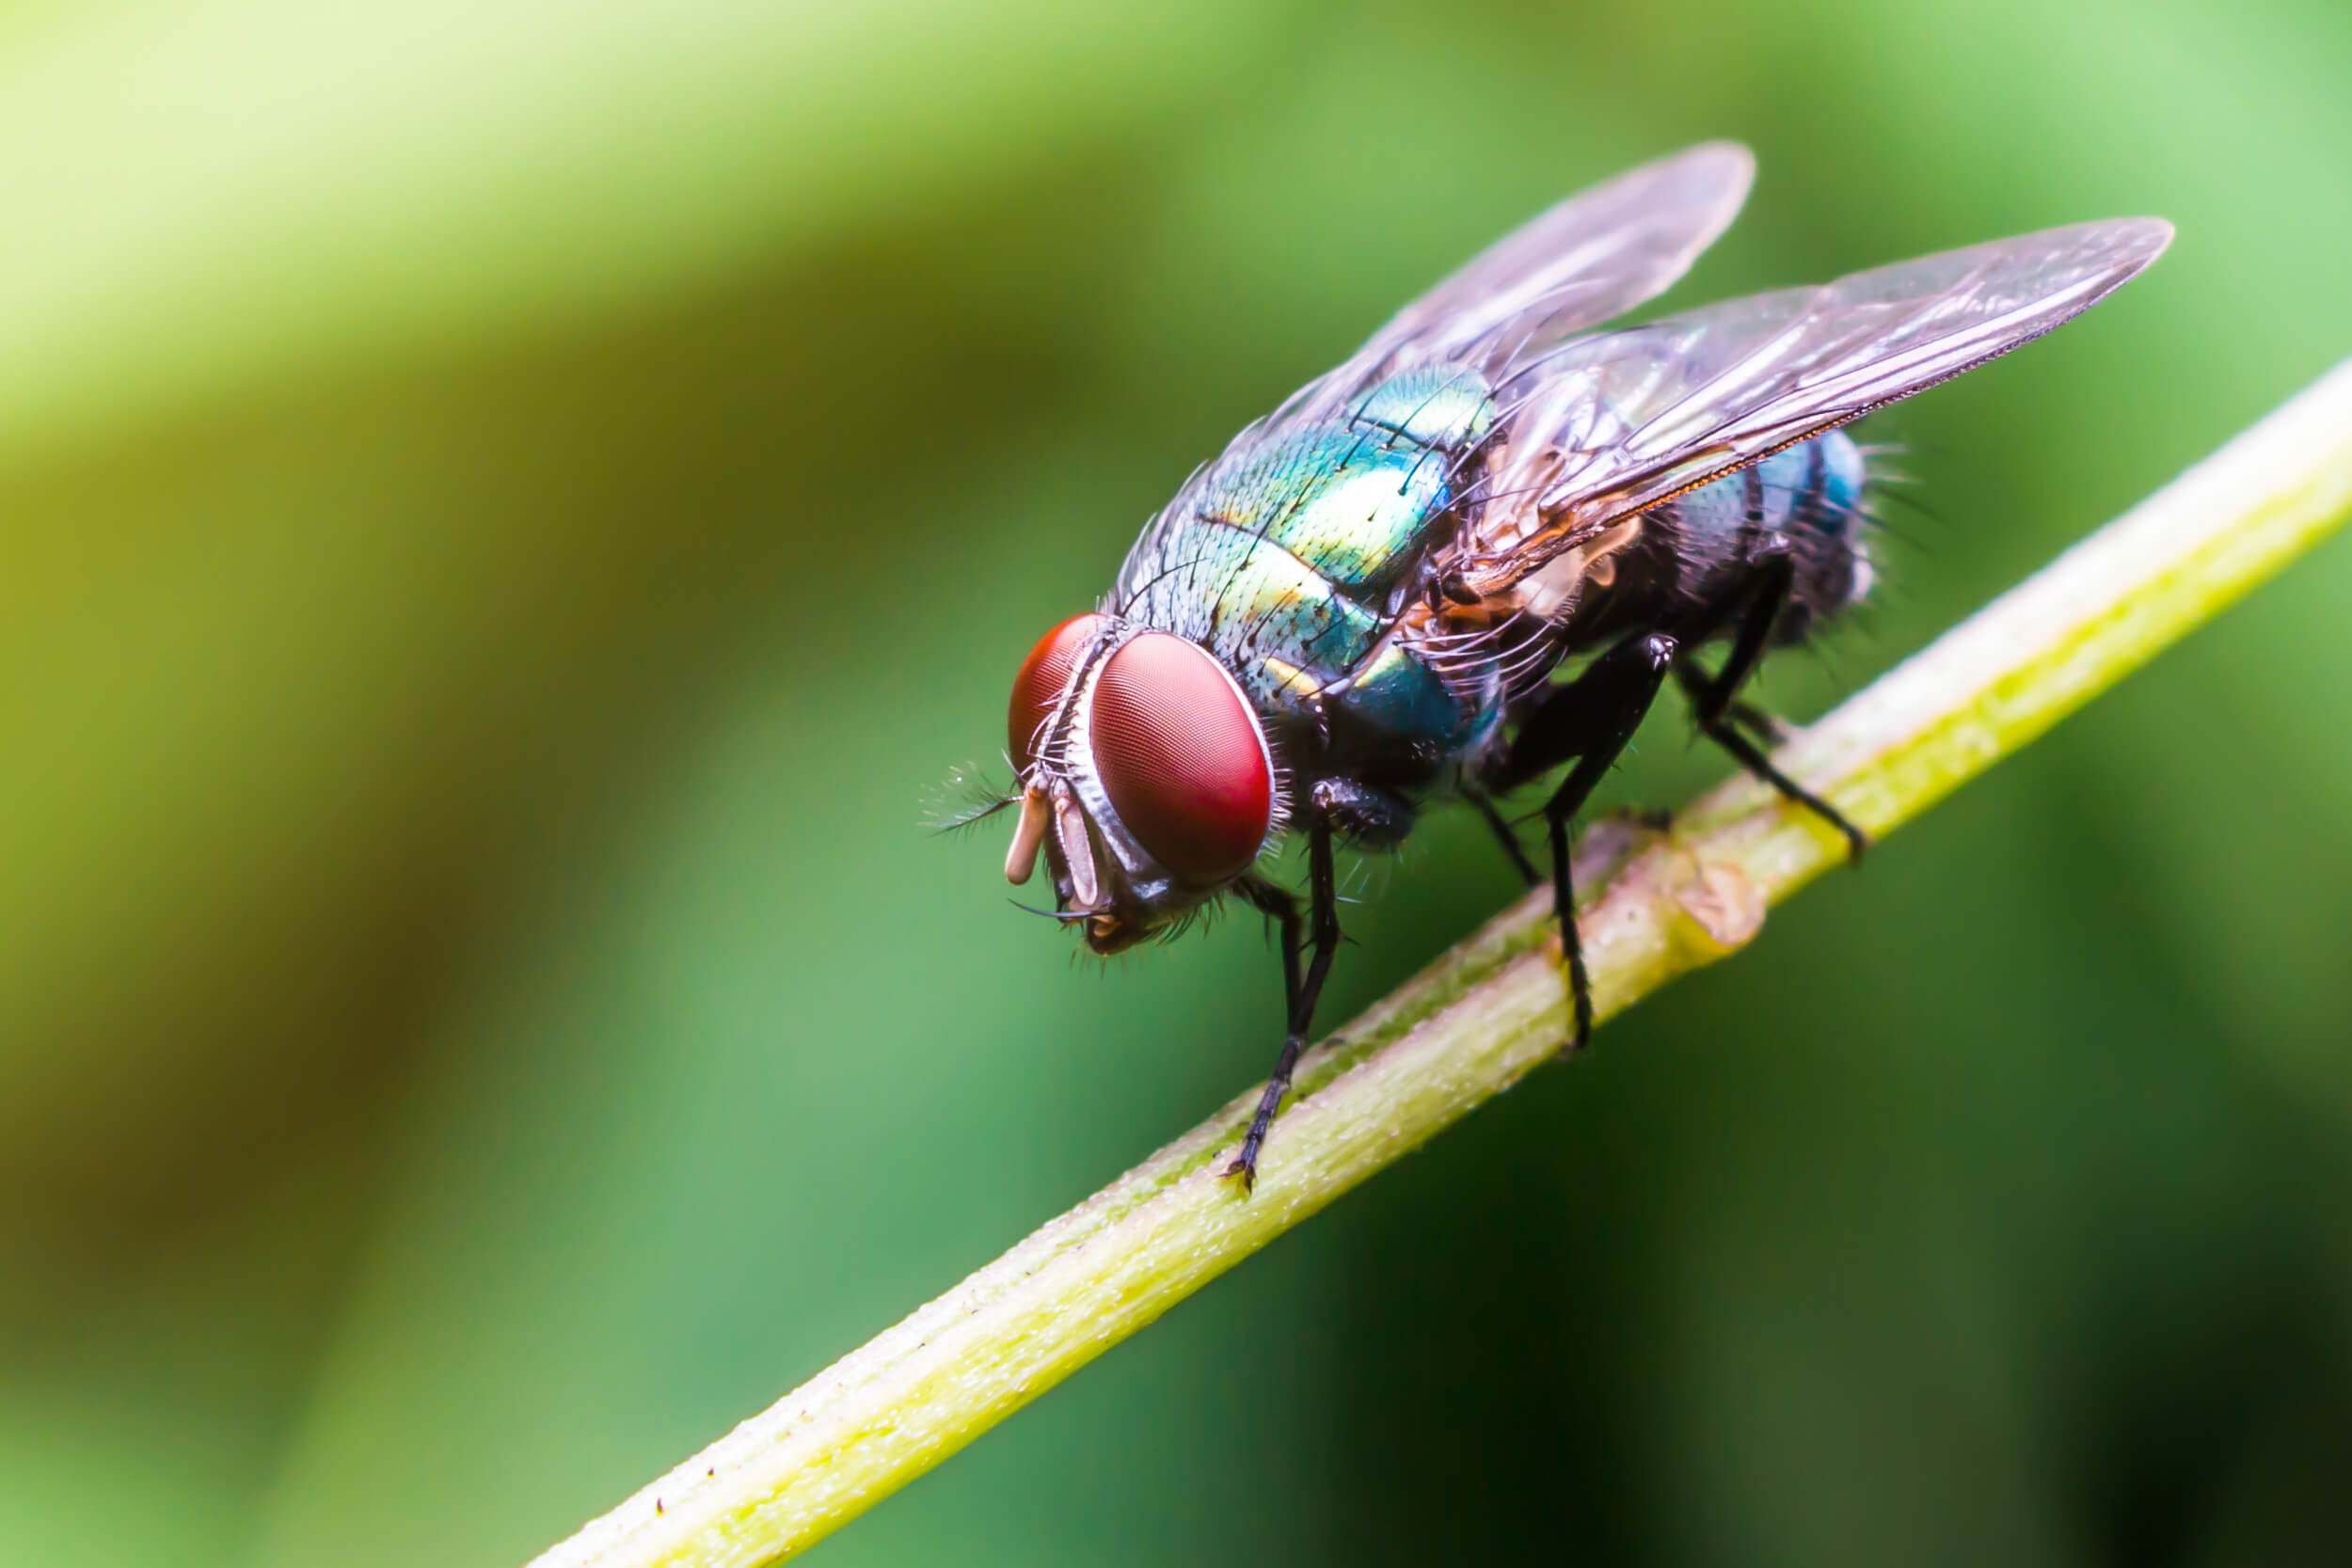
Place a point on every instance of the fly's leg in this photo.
(1752, 757)
(1591, 719)
(1279, 905)
(1774, 564)
(1484, 804)
(1714, 703)
(1324, 938)
(1362, 814)
(1763, 728)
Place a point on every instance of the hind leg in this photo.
(1714, 699)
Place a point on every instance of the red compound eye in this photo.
(1038, 687)
(1181, 756)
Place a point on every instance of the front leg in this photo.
(1281, 906)
(1304, 990)
(1488, 812)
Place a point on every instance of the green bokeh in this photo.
(512, 511)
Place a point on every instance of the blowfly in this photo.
(1475, 552)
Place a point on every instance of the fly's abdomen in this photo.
(1287, 562)
(1810, 494)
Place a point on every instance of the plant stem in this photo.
(1469, 1027)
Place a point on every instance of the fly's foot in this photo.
(1579, 995)
(1244, 1166)
(1580, 1031)
(1858, 841)
(1244, 1170)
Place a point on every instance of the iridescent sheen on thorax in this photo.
(1295, 557)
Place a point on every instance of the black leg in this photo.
(1755, 762)
(1627, 680)
(1714, 703)
(1591, 720)
(1774, 565)
(1279, 905)
(1484, 804)
(1760, 726)
(1323, 898)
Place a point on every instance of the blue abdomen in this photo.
(1809, 494)
(1812, 488)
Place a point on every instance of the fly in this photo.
(1365, 604)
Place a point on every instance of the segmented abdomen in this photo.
(1810, 493)
(1814, 486)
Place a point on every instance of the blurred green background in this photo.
(510, 512)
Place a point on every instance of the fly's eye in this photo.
(1038, 687)
(1181, 756)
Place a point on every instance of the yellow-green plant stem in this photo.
(1474, 1021)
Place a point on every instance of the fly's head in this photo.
(1144, 774)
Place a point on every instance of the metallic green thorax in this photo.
(1284, 558)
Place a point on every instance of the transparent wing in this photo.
(1592, 257)
(1616, 423)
